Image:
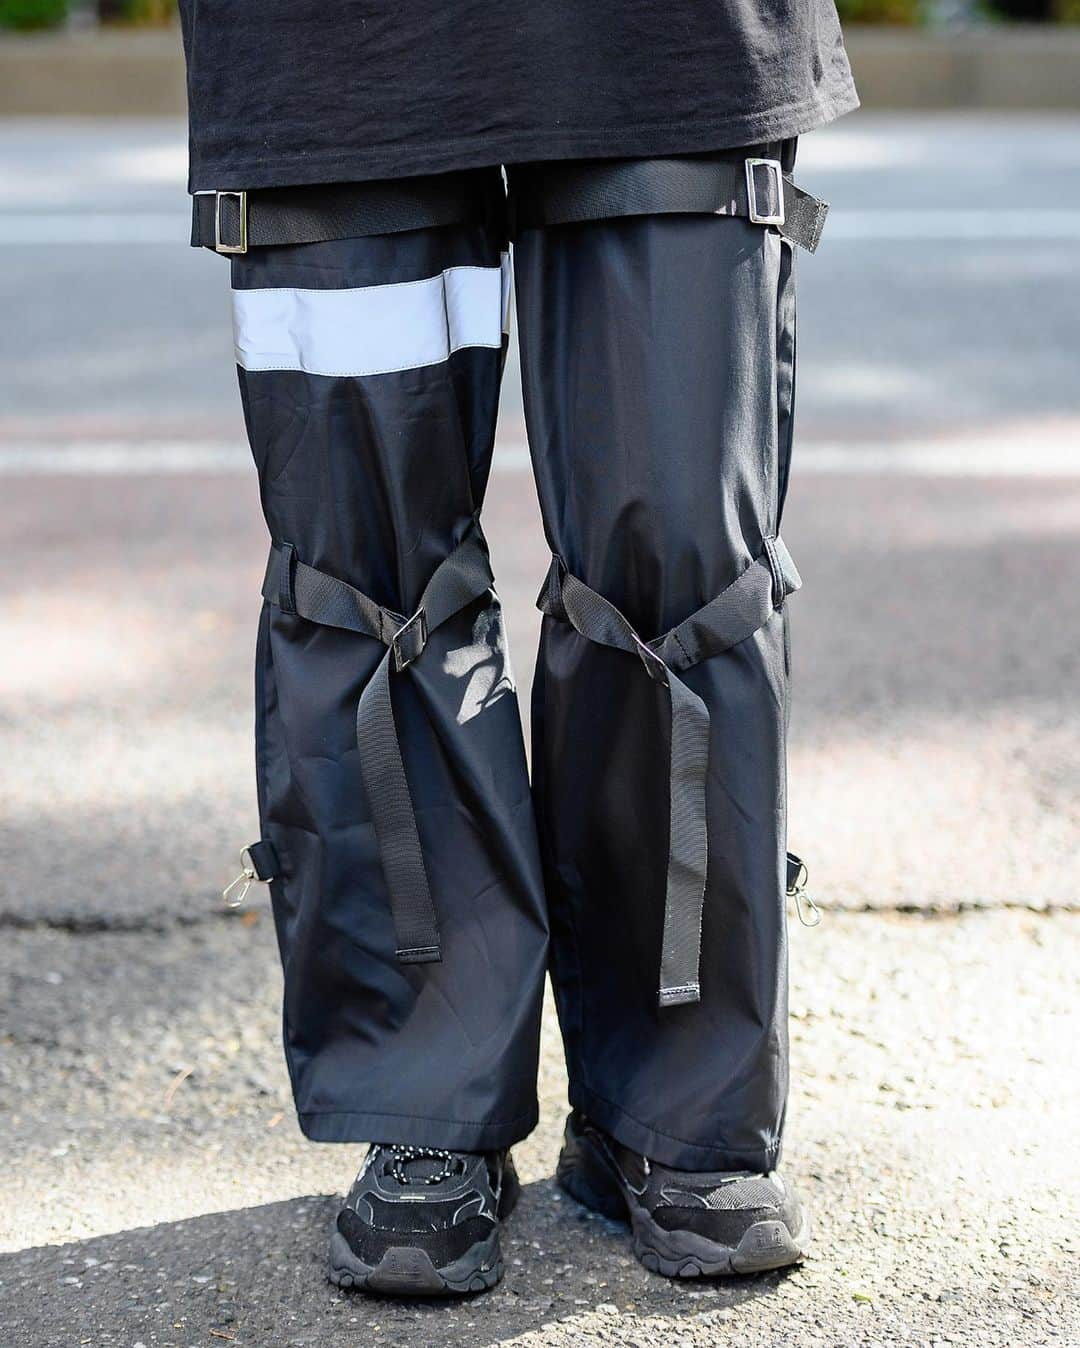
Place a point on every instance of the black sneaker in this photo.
(685, 1224)
(421, 1221)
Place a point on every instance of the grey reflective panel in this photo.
(370, 330)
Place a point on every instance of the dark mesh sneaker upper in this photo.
(719, 1205)
(443, 1202)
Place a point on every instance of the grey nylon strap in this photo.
(463, 576)
(575, 192)
(735, 614)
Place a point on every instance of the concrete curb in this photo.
(1017, 67)
(116, 73)
(93, 74)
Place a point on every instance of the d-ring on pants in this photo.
(414, 875)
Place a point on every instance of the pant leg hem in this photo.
(347, 1126)
(679, 1153)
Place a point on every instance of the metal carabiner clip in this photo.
(808, 912)
(234, 893)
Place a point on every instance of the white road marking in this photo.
(79, 227)
(1056, 454)
(86, 458)
(1054, 457)
(855, 226)
(852, 225)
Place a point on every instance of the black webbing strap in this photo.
(735, 614)
(464, 575)
(233, 222)
(757, 189)
(263, 858)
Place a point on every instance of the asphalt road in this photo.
(147, 1129)
(935, 515)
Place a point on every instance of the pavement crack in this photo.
(92, 924)
(161, 923)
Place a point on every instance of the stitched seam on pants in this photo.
(371, 374)
(417, 1118)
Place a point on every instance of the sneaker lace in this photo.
(401, 1154)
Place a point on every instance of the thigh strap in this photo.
(234, 221)
(754, 188)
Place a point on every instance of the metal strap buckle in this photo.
(242, 204)
(409, 640)
(654, 664)
(776, 169)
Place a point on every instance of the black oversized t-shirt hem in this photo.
(449, 154)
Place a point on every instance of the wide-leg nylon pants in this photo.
(658, 367)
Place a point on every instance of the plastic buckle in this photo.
(776, 169)
(415, 634)
(242, 205)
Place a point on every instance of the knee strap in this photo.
(754, 188)
(463, 576)
(735, 614)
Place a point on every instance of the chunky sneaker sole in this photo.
(591, 1177)
(407, 1270)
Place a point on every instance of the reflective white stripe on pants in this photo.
(370, 330)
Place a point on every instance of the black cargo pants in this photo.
(415, 877)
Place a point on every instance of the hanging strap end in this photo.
(683, 995)
(805, 216)
(421, 954)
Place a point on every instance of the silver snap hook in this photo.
(809, 914)
(234, 893)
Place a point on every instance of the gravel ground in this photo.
(932, 1126)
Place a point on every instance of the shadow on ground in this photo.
(255, 1276)
(932, 1128)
